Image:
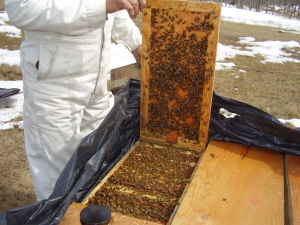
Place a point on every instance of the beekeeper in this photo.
(64, 61)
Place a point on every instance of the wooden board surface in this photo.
(119, 77)
(235, 185)
(179, 55)
(294, 182)
(71, 217)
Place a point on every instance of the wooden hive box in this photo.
(178, 64)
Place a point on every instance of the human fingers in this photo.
(142, 4)
(116, 5)
(135, 6)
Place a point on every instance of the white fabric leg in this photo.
(55, 99)
(94, 114)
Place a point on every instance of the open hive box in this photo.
(179, 54)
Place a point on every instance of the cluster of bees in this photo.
(178, 69)
(149, 183)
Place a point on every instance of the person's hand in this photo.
(142, 4)
(132, 6)
(137, 54)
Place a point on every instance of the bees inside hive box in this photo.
(149, 183)
(179, 55)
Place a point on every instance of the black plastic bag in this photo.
(251, 126)
(96, 155)
(6, 92)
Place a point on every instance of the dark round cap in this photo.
(95, 215)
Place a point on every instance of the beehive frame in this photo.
(166, 25)
(178, 65)
(148, 182)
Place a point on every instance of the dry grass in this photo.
(230, 33)
(10, 72)
(272, 87)
(1, 5)
(16, 188)
(10, 43)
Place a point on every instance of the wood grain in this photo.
(235, 184)
(146, 32)
(196, 6)
(71, 217)
(294, 181)
(208, 86)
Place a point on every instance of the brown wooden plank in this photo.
(71, 217)
(196, 6)
(294, 182)
(119, 77)
(185, 25)
(153, 136)
(145, 67)
(235, 184)
(208, 86)
(131, 71)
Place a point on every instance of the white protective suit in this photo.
(64, 61)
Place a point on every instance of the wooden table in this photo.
(234, 184)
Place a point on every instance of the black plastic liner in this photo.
(251, 126)
(99, 152)
(96, 155)
(6, 92)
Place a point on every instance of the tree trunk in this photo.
(258, 5)
(273, 10)
(250, 4)
(285, 7)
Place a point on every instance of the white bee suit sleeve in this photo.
(64, 61)
(126, 32)
(67, 17)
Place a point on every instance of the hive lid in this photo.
(178, 64)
